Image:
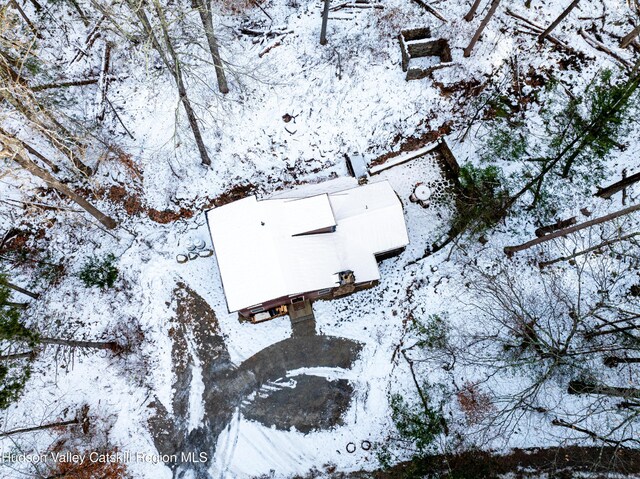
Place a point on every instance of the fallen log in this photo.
(65, 84)
(270, 47)
(33, 152)
(103, 82)
(356, 5)
(608, 191)
(543, 230)
(40, 428)
(92, 36)
(557, 21)
(431, 10)
(603, 48)
(476, 36)
(472, 11)
(513, 249)
(24, 16)
(614, 361)
(14, 356)
(604, 244)
(584, 387)
(627, 39)
(539, 29)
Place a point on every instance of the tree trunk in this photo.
(103, 82)
(429, 9)
(29, 23)
(325, 19)
(581, 387)
(604, 244)
(626, 41)
(78, 9)
(557, 21)
(204, 9)
(17, 305)
(33, 151)
(36, 5)
(608, 191)
(62, 139)
(472, 11)
(108, 345)
(11, 357)
(173, 66)
(483, 24)
(40, 428)
(572, 229)
(613, 361)
(35, 170)
(20, 290)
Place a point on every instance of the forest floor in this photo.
(247, 395)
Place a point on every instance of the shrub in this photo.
(99, 272)
(13, 373)
(505, 143)
(415, 423)
(481, 199)
(12, 381)
(433, 333)
(418, 428)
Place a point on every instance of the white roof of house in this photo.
(264, 250)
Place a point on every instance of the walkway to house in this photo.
(303, 322)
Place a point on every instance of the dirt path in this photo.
(557, 462)
(199, 354)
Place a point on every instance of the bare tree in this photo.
(204, 9)
(557, 21)
(472, 11)
(540, 329)
(483, 24)
(16, 91)
(171, 61)
(12, 150)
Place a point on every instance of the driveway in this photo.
(305, 402)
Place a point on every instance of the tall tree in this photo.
(204, 9)
(483, 24)
(557, 21)
(12, 150)
(171, 61)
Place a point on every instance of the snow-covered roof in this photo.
(266, 249)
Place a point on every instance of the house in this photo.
(321, 241)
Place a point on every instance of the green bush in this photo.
(416, 424)
(433, 332)
(100, 272)
(418, 428)
(12, 381)
(481, 199)
(13, 375)
(504, 143)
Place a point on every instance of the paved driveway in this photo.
(305, 402)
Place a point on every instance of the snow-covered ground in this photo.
(348, 96)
